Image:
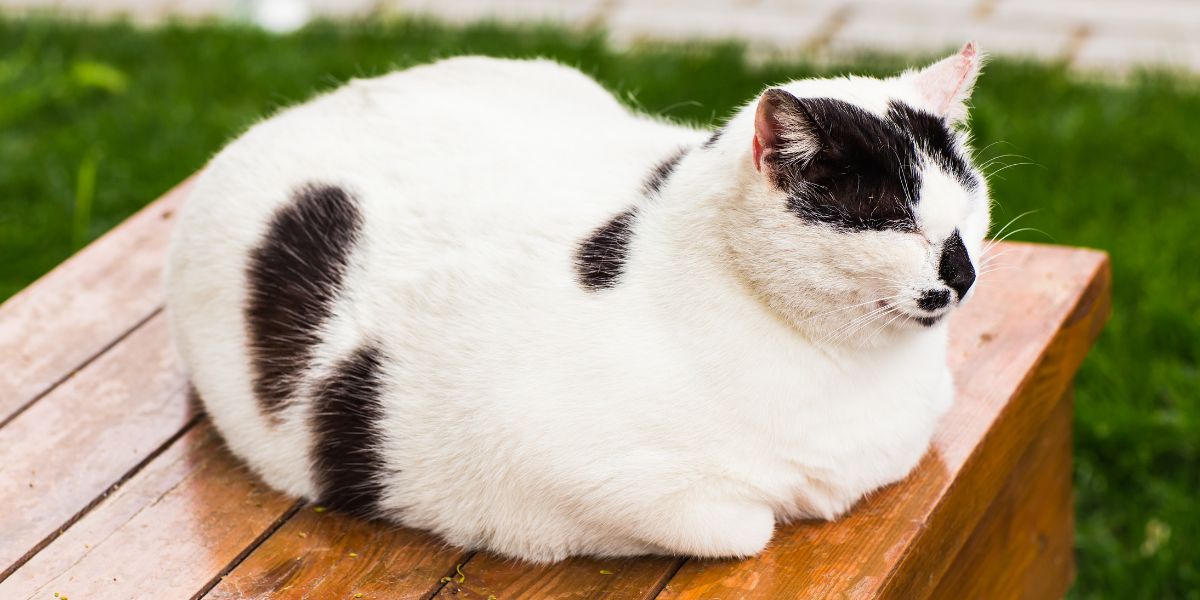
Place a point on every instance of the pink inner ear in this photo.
(765, 135)
(946, 83)
(758, 150)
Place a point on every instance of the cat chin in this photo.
(922, 321)
(906, 318)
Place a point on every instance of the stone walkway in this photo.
(1109, 35)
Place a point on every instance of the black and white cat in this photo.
(481, 297)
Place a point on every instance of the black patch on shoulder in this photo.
(601, 257)
(662, 172)
(865, 175)
(346, 413)
(935, 139)
(293, 276)
(712, 140)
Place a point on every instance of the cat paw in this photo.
(716, 530)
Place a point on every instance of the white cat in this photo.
(482, 298)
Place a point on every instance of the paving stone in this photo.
(1112, 53)
(785, 27)
(1102, 34)
(912, 31)
(1174, 19)
(573, 12)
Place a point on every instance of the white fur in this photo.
(720, 387)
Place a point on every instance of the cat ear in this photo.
(946, 85)
(784, 130)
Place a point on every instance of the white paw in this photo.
(717, 530)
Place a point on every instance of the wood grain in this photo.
(167, 533)
(488, 576)
(326, 555)
(88, 434)
(76, 311)
(1014, 350)
(1024, 546)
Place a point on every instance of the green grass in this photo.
(95, 121)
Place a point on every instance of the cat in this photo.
(483, 298)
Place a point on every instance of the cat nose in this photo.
(954, 267)
(932, 300)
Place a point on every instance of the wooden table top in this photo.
(112, 485)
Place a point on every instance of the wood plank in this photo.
(326, 555)
(76, 311)
(1014, 350)
(488, 576)
(169, 532)
(1024, 546)
(88, 434)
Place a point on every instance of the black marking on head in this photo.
(954, 267)
(935, 139)
(662, 172)
(347, 454)
(601, 257)
(293, 276)
(862, 173)
(712, 140)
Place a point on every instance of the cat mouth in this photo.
(922, 320)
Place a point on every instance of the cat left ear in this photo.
(783, 130)
(946, 85)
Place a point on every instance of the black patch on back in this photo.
(865, 175)
(662, 172)
(601, 257)
(294, 275)
(712, 141)
(347, 452)
(934, 137)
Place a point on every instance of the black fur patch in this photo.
(866, 171)
(932, 300)
(294, 276)
(601, 257)
(712, 140)
(954, 267)
(935, 139)
(662, 172)
(863, 177)
(346, 414)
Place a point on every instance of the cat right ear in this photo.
(784, 131)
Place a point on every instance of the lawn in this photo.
(96, 121)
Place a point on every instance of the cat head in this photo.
(861, 214)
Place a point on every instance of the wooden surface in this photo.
(1024, 546)
(114, 488)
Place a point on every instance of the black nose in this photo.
(932, 300)
(955, 268)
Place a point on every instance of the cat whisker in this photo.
(883, 327)
(1020, 230)
(835, 334)
(1007, 167)
(987, 260)
(837, 310)
(863, 339)
(1014, 220)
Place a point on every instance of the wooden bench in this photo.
(112, 486)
